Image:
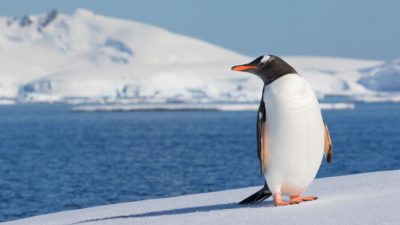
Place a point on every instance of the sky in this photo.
(366, 29)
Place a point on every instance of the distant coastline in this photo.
(191, 107)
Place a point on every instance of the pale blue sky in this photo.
(345, 28)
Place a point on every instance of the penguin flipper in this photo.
(328, 144)
(257, 197)
(261, 129)
(264, 192)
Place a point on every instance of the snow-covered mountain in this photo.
(89, 57)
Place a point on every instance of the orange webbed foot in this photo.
(299, 198)
(279, 202)
(309, 198)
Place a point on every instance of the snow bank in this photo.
(370, 198)
(164, 107)
(7, 102)
(179, 107)
(336, 106)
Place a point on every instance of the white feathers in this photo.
(295, 131)
(265, 58)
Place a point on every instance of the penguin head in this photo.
(267, 67)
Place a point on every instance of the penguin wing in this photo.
(264, 192)
(328, 144)
(261, 129)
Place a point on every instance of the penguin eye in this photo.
(262, 64)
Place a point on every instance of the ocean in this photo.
(52, 159)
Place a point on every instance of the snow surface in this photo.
(177, 107)
(86, 57)
(370, 198)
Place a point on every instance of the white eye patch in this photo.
(265, 58)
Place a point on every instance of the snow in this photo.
(370, 198)
(7, 102)
(179, 107)
(86, 57)
(164, 107)
(383, 78)
(336, 106)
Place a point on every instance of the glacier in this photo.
(86, 57)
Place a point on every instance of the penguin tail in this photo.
(257, 197)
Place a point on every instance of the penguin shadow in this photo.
(179, 211)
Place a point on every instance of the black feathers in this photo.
(257, 197)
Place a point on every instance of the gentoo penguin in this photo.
(291, 134)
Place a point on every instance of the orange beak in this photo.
(242, 67)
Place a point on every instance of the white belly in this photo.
(295, 135)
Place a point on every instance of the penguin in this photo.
(292, 136)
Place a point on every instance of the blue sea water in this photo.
(52, 159)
